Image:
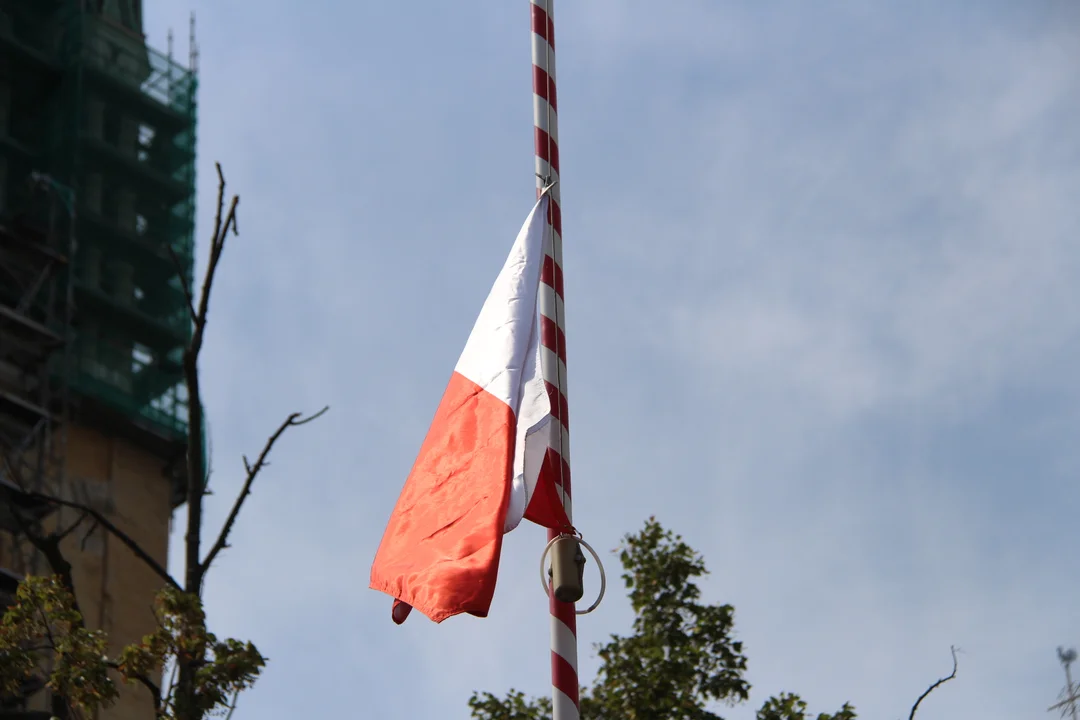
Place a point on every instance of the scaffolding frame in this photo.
(111, 124)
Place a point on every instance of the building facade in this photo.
(97, 214)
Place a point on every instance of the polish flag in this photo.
(482, 467)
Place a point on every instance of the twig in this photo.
(36, 649)
(935, 686)
(217, 248)
(232, 705)
(86, 537)
(16, 474)
(171, 687)
(182, 276)
(45, 624)
(294, 420)
(149, 684)
(61, 535)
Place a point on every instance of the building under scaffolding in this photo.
(97, 212)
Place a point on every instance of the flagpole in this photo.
(564, 677)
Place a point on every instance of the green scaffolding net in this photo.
(112, 122)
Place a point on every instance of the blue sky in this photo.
(821, 272)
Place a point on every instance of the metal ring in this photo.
(543, 570)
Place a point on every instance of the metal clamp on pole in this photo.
(567, 573)
(566, 576)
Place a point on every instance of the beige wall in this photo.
(115, 589)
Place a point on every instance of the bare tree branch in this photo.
(171, 687)
(183, 692)
(36, 649)
(196, 485)
(45, 623)
(181, 695)
(146, 682)
(217, 248)
(181, 275)
(936, 685)
(47, 545)
(232, 705)
(294, 420)
(116, 532)
(14, 471)
(86, 537)
(64, 533)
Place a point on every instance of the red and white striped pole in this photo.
(564, 677)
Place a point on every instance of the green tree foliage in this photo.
(680, 661)
(45, 624)
(682, 653)
(787, 706)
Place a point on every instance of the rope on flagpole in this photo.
(548, 587)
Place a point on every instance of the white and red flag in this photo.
(485, 463)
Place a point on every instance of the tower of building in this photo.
(97, 213)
